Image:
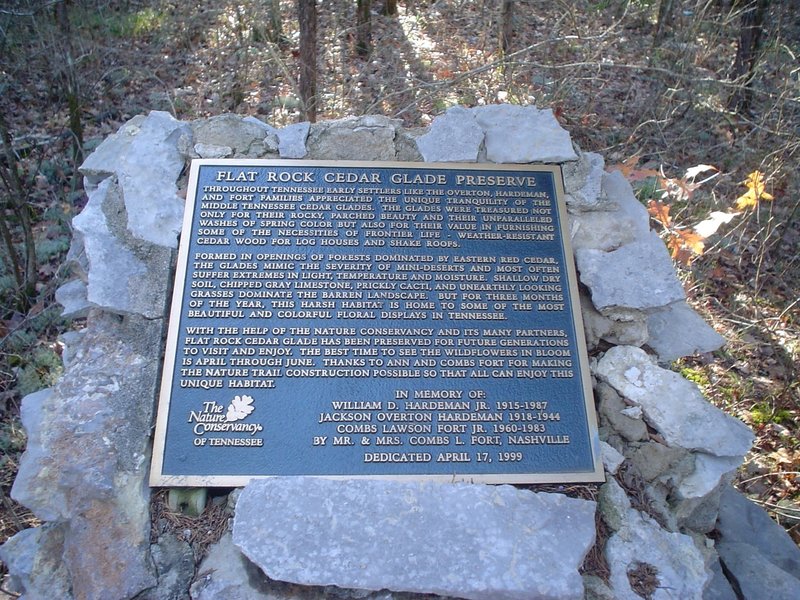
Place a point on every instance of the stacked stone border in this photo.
(672, 517)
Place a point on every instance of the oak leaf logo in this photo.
(239, 408)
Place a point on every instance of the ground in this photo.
(658, 110)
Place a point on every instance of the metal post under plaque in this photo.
(403, 320)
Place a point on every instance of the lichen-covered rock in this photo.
(124, 274)
(85, 464)
(355, 138)
(292, 140)
(622, 221)
(630, 328)
(611, 410)
(243, 137)
(34, 560)
(583, 182)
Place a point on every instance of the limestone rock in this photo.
(33, 559)
(243, 137)
(679, 566)
(629, 332)
(740, 520)
(611, 412)
(292, 140)
(677, 330)
(674, 406)
(718, 588)
(611, 458)
(226, 573)
(452, 137)
(637, 276)
(174, 562)
(125, 275)
(623, 221)
(145, 159)
(583, 182)
(654, 461)
(480, 541)
(85, 464)
(756, 577)
(523, 134)
(212, 151)
(355, 138)
(73, 296)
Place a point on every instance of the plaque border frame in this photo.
(158, 479)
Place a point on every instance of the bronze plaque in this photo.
(402, 320)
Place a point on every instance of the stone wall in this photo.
(667, 507)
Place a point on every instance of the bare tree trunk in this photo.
(307, 15)
(506, 25)
(391, 7)
(66, 72)
(665, 8)
(747, 49)
(363, 27)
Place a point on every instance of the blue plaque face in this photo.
(375, 320)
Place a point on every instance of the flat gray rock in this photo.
(523, 134)
(741, 520)
(623, 221)
(124, 274)
(469, 541)
(452, 137)
(639, 276)
(242, 137)
(73, 297)
(756, 577)
(674, 406)
(677, 331)
(292, 140)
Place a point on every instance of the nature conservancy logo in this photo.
(214, 420)
(239, 408)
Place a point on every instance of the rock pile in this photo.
(668, 453)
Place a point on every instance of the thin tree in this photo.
(363, 27)
(13, 203)
(307, 15)
(66, 73)
(275, 29)
(751, 31)
(506, 25)
(391, 7)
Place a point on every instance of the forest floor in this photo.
(658, 110)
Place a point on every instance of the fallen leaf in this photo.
(709, 226)
(756, 185)
(660, 212)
